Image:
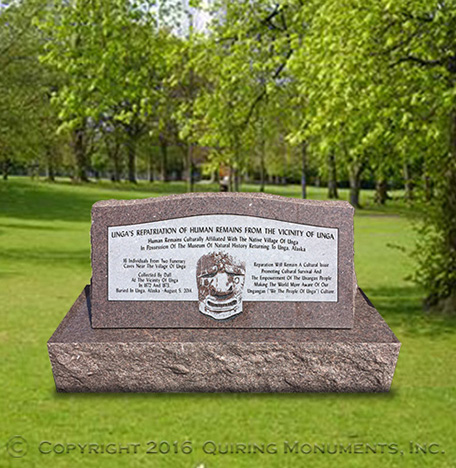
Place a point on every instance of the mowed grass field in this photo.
(44, 265)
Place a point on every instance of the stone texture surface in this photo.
(361, 359)
(151, 314)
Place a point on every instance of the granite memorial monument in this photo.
(223, 292)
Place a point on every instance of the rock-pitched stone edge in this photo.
(173, 360)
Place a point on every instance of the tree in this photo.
(422, 44)
(381, 80)
(244, 61)
(111, 56)
(26, 117)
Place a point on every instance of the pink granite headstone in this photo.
(222, 260)
(223, 293)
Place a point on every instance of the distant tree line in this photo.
(327, 92)
(123, 89)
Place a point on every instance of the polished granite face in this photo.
(276, 263)
(360, 359)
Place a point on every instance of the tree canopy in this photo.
(331, 90)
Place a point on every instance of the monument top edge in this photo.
(238, 196)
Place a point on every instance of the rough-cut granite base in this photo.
(361, 359)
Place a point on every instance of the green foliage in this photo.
(27, 121)
(110, 54)
(243, 61)
(275, 89)
(421, 43)
(435, 252)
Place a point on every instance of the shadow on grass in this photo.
(24, 199)
(9, 274)
(41, 201)
(402, 308)
(29, 227)
(384, 396)
(47, 257)
(34, 200)
(37, 202)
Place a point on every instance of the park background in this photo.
(351, 100)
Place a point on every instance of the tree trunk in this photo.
(50, 166)
(150, 167)
(332, 177)
(117, 160)
(117, 166)
(131, 152)
(151, 173)
(164, 159)
(80, 154)
(190, 176)
(408, 182)
(237, 180)
(6, 166)
(230, 179)
(285, 165)
(428, 189)
(355, 186)
(443, 292)
(213, 178)
(262, 166)
(304, 169)
(236, 165)
(113, 151)
(381, 191)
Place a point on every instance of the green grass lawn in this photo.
(45, 263)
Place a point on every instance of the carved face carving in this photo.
(220, 280)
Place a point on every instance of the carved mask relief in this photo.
(220, 278)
